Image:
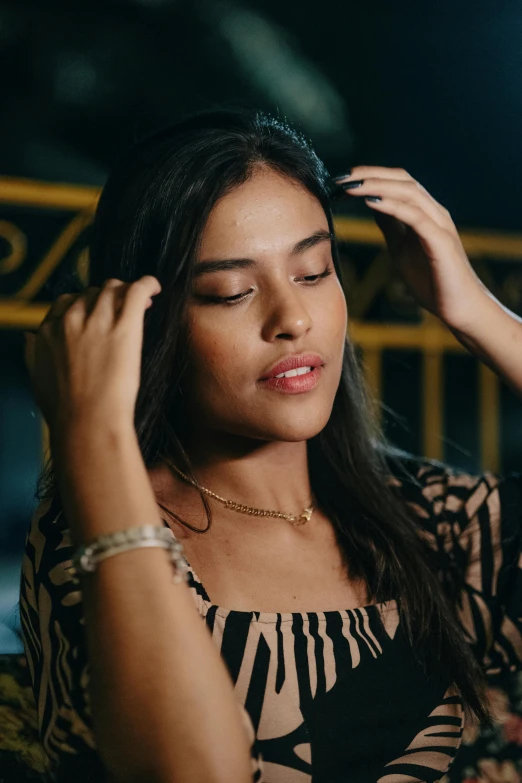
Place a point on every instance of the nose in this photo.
(287, 317)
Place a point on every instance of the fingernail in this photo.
(373, 198)
(342, 176)
(355, 184)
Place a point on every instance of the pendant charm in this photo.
(304, 517)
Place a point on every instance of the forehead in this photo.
(269, 211)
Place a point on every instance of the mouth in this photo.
(295, 374)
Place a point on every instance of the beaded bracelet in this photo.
(86, 558)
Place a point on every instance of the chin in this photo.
(288, 428)
(294, 432)
(296, 435)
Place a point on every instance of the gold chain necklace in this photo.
(302, 519)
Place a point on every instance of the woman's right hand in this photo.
(85, 359)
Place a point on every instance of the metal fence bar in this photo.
(432, 404)
(55, 195)
(50, 195)
(372, 366)
(430, 337)
(489, 418)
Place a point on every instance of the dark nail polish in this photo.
(355, 184)
(342, 176)
(373, 198)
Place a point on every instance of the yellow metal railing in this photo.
(431, 338)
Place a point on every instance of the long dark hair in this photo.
(149, 220)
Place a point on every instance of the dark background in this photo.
(434, 88)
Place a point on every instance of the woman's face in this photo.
(265, 291)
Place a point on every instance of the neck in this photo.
(268, 475)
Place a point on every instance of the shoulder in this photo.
(48, 536)
(479, 512)
(473, 522)
(47, 522)
(434, 484)
(47, 573)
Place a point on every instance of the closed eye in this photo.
(227, 299)
(314, 279)
(308, 280)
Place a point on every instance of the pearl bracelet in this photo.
(86, 558)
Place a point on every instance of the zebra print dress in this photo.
(327, 696)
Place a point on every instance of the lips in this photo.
(312, 360)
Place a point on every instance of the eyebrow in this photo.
(227, 264)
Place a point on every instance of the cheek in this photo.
(220, 357)
(226, 354)
(332, 320)
(342, 314)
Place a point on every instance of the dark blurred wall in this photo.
(432, 87)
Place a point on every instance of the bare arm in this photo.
(494, 335)
(162, 703)
(424, 244)
(162, 700)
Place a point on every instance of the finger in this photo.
(411, 215)
(139, 295)
(409, 191)
(59, 307)
(109, 302)
(383, 172)
(151, 283)
(103, 301)
(79, 311)
(88, 300)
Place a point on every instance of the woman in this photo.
(355, 597)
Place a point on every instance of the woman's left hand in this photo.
(422, 241)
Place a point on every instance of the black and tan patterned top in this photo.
(328, 696)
